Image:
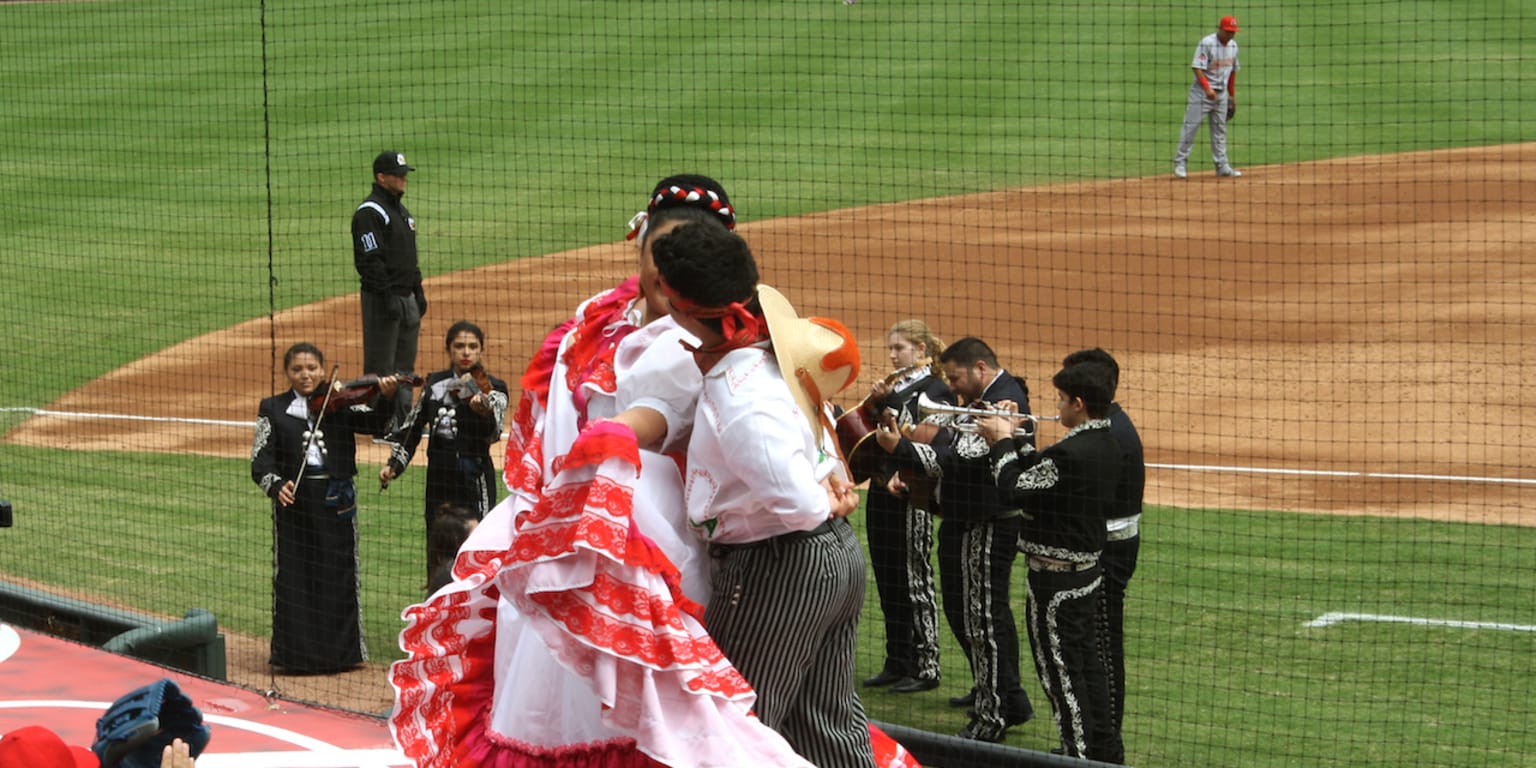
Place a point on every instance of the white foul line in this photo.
(1347, 473)
(1329, 619)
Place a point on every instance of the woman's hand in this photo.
(285, 494)
(480, 404)
(388, 385)
(888, 435)
(177, 755)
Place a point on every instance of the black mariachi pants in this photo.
(900, 543)
(1063, 631)
(975, 567)
(1119, 561)
(316, 619)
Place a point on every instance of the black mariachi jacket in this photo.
(959, 460)
(277, 452)
(384, 245)
(452, 428)
(1133, 478)
(1068, 490)
(904, 402)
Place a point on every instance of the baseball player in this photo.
(1212, 96)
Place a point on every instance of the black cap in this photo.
(392, 163)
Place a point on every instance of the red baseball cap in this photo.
(37, 747)
(1229, 23)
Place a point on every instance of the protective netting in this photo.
(1326, 357)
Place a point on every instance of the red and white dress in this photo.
(571, 634)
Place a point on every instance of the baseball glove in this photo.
(1231, 110)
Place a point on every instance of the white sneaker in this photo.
(1227, 170)
(1180, 172)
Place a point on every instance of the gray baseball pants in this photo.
(1201, 109)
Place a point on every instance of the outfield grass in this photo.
(155, 157)
(164, 175)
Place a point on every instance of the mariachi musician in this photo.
(978, 539)
(900, 526)
(460, 411)
(304, 457)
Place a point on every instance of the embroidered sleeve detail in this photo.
(499, 403)
(263, 434)
(1039, 477)
(269, 482)
(399, 455)
(971, 446)
(1003, 460)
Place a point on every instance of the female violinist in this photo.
(460, 411)
(900, 528)
(304, 457)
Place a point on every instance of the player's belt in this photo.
(720, 550)
(1130, 531)
(1043, 564)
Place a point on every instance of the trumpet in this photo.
(927, 407)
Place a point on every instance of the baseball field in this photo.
(1326, 358)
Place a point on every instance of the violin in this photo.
(482, 379)
(332, 396)
(474, 381)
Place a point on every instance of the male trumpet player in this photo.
(1069, 491)
(978, 539)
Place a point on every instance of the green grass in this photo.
(164, 174)
(162, 533)
(1222, 669)
(156, 156)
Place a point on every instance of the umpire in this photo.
(384, 252)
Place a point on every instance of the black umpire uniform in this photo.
(316, 616)
(978, 542)
(393, 301)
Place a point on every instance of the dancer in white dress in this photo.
(568, 636)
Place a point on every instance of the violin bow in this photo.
(310, 441)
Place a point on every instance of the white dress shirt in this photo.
(754, 468)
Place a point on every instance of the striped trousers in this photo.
(785, 611)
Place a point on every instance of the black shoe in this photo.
(915, 685)
(967, 700)
(1058, 750)
(1011, 718)
(975, 731)
(886, 677)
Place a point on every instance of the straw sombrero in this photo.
(817, 355)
